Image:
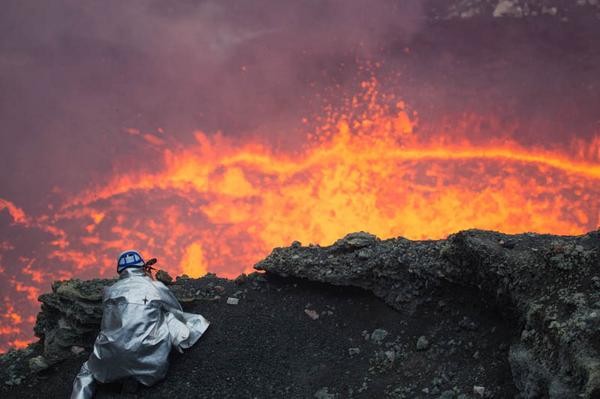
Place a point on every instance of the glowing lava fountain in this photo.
(221, 205)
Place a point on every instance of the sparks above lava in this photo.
(221, 205)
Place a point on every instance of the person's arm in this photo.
(185, 328)
(168, 300)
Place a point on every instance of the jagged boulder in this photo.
(70, 316)
(547, 284)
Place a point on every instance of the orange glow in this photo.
(11, 325)
(15, 318)
(32, 292)
(360, 173)
(222, 204)
(193, 263)
(97, 217)
(15, 212)
(20, 343)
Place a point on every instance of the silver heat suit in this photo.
(142, 320)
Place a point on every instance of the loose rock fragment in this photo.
(378, 335)
(38, 363)
(233, 301)
(219, 288)
(468, 324)
(353, 351)
(323, 393)
(164, 277)
(312, 314)
(76, 350)
(422, 343)
(449, 394)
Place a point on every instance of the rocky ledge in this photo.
(480, 314)
(549, 286)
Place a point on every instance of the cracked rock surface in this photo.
(546, 285)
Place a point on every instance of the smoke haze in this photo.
(75, 74)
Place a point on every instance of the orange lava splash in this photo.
(221, 204)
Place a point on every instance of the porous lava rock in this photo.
(545, 284)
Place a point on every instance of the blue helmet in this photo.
(129, 258)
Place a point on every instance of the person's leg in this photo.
(84, 385)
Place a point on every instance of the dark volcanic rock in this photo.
(70, 316)
(163, 276)
(543, 283)
(267, 347)
(468, 314)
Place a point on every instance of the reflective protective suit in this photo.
(142, 320)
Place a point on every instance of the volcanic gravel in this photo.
(272, 345)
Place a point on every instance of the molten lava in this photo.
(221, 205)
